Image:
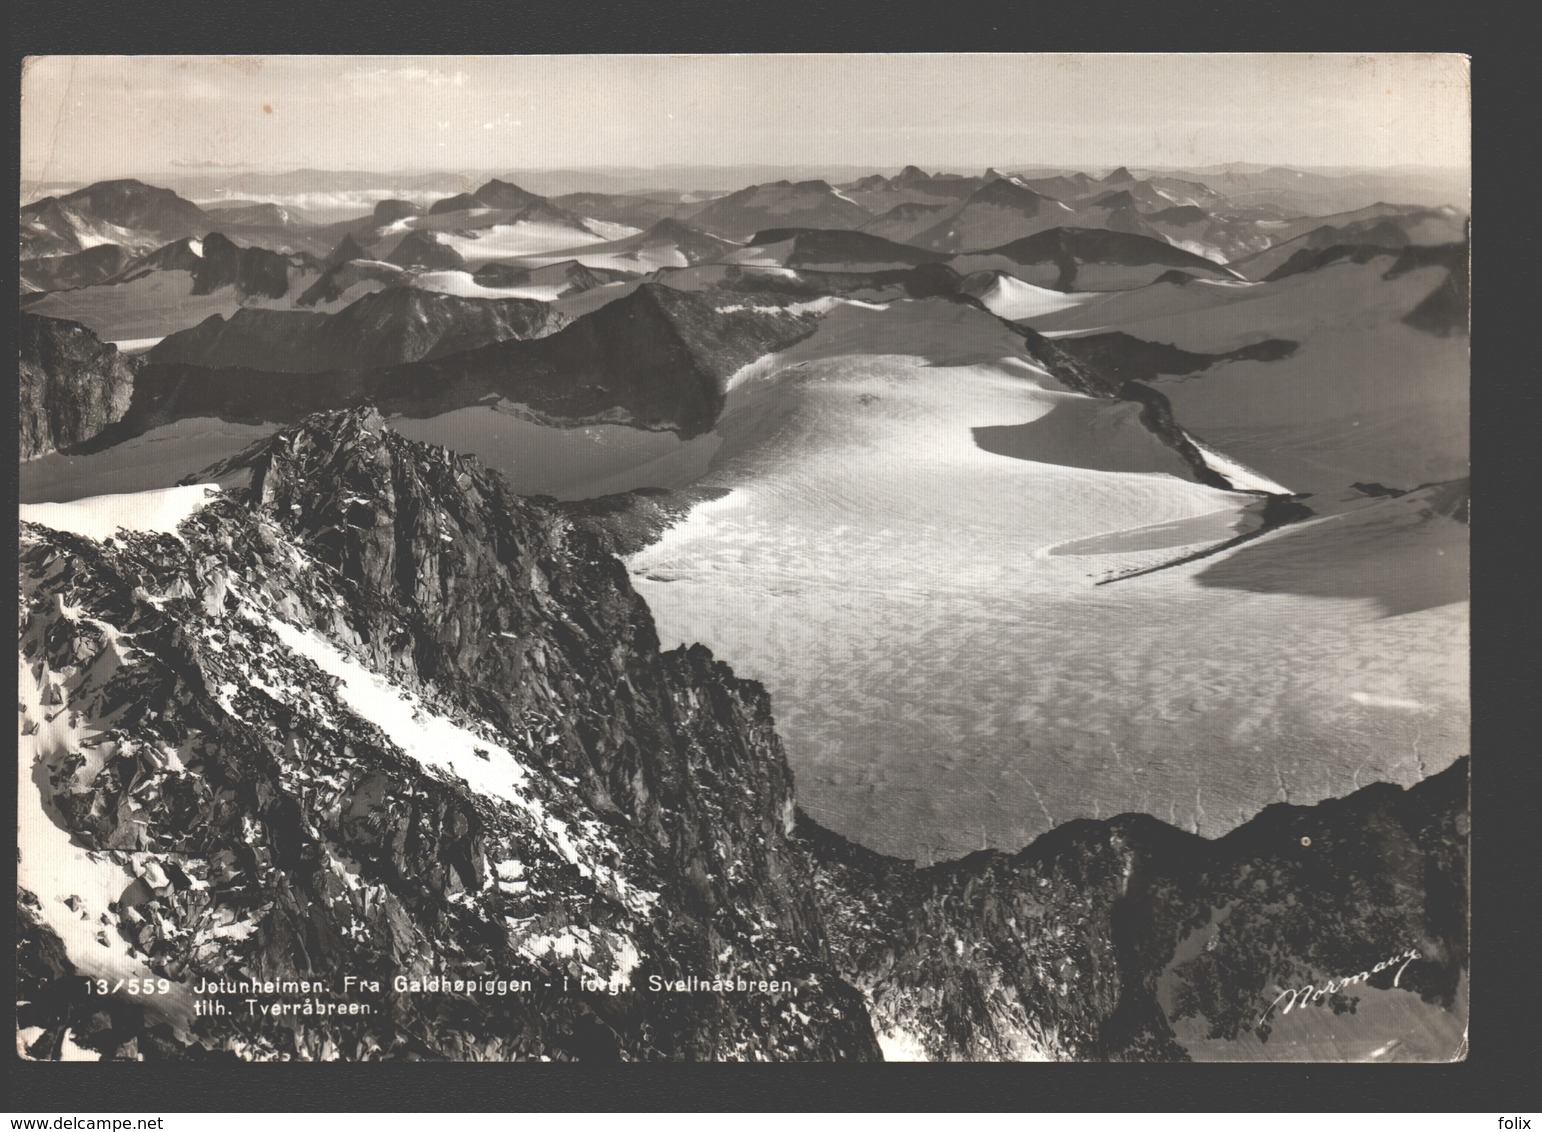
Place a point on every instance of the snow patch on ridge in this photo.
(441, 745)
(1238, 474)
(100, 517)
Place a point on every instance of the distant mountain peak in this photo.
(1119, 176)
(1009, 193)
(390, 211)
(505, 194)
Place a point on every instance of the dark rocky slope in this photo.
(71, 384)
(251, 271)
(812, 247)
(789, 285)
(1124, 357)
(955, 231)
(569, 276)
(634, 817)
(461, 202)
(386, 328)
(1090, 378)
(1316, 258)
(655, 358)
(779, 204)
(421, 248)
(1445, 311)
(1070, 248)
(217, 262)
(390, 211)
(78, 269)
(347, 250)
(1073, 947)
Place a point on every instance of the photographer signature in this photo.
(1308, 994)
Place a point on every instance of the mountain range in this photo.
(924, 616)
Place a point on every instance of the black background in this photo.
(1502, 1071)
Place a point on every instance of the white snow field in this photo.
(161, 511)
(1116, 277)
(462, 285)
(507, 241)
(944, 670)
(1010, 298)
(616, 255)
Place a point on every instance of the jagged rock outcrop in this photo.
(1103, 938)
(71, 384)
(656, 359)
(382, 329)
(380, 716)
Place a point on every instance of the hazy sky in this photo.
(89, 117)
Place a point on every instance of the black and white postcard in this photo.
(930, 557)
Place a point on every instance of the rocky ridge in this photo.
(385, 328)
(656, 359)
(378, 715)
